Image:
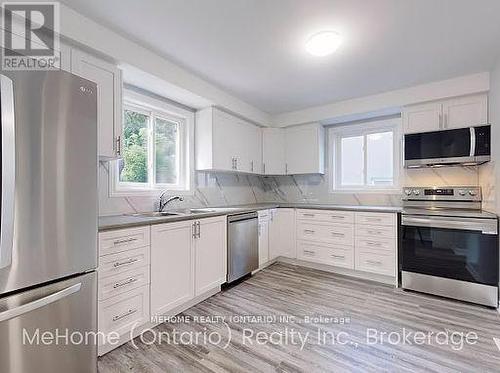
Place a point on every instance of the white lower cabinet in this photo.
(187, 259)
(362, 241)
(264, 217)
(282, 234)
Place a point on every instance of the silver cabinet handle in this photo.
(338, 256)
(373, 262)
(8, 170)
(124, 240)
(335, 234)
(309, 231)
(194, 229)
(31, 306)
(199, 229)
(337, 216)
(129, 261)
(373, 219)
(251, 166)
(263, 168)
(309, 252)
(374, 232)
(286, 168)
(124, 283)
(371, 243)
(125, 314)
(308, 215)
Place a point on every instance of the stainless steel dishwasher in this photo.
(243, 245)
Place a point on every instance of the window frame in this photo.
(156, 108)
(335, 135)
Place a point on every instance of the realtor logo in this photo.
(30, 36)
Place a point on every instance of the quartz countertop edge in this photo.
(113, 222)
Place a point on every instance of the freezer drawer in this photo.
(66, 306)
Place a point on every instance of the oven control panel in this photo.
(462, 193)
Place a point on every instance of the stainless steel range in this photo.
(449, 246)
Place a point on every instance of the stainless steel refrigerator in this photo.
(48, 222)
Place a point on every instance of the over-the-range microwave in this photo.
(463, 146)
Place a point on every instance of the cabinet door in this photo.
(171, 266)
(225, 141)
(263, 241)
(256, 150)
(304, 149)
(282, 234)
(422, 118)
(210, 254)
(273, 151)
(109, 100)
(467, 111)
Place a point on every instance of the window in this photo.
(157, 149)
(365, 156)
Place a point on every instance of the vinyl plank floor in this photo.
(289, 294)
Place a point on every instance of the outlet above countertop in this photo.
(140, 219)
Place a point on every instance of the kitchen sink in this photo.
(157, 214)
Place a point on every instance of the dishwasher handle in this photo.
(241, 217)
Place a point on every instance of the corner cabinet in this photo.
(458, 112)
(225, 142)
(108, 78)
(305, 149)
(273, 151)
(187, 259)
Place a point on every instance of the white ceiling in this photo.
(254, 49)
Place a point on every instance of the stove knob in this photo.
(472, 193)
(416, 192)
(462, 192)
(408, 192)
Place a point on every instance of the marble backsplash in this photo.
(223, 189)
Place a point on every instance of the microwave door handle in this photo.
(472, 141)
(8, 169)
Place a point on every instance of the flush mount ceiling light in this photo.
(323, 43)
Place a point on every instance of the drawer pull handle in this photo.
(373, 219)
(124, 240)
(123, 283)
(374, 232)
(129, 261)
(370, 243)
(337, 216)
(128, 313)
(374, 262)
(310, 231)
(309, 252)
(338, 256)
(335, 234)
(309, 215)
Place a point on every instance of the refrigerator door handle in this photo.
(8, 169)
(31, 306)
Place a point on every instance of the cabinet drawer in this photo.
(376, 218)
(374, 262)
(123, 282)
(309, 252)
(121, 313)
(376, 244)
(326, 216)
(340, 257)
(340, 234)
(375, 231)
(122, 262)
(124, 239)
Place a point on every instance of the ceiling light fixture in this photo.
(323, 43)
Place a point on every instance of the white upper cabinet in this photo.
(422, 118)
(467, 111)
(304, 149)
(273, 151)
(459, 112)
(225, 142)
(109, 100)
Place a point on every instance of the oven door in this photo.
(456, 248)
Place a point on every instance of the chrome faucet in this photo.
(162, 204)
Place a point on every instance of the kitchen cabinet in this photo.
(282, 233)
(187, 259)
(264, 217)
(225, 142)
(108, 78)
(210, 254)
(458, 112)
(304, 149)
(273, 151)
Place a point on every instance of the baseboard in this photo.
(104, 349)
(388, 280)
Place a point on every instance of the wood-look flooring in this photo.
(295, 291)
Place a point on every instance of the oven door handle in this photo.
(486, 226)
